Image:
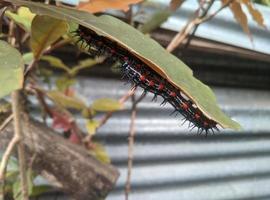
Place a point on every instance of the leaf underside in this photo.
(147, 50)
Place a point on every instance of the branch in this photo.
(122, 100)
(6, 122)
(18, 138)
(6, 157)
(193, 25)
(209, 17)
(204, 13)
(130, 145)
(78, 172)
(181, 36)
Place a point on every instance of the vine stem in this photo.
(122, 100)
(130, 146)
(16, 110)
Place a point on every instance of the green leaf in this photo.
(16, 187)
(91, 126)
(45, 31)
(66, 101)
(23, 18)
(88, 113)
(11, 69)
(28, 58)
(147, 50)
(25, 13)
(55, 62)
(37, 190)
(155, 21)
(12, 175)
(106, 105)
(100, 153)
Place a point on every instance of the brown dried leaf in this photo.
(240, 16)
(256, 15)
(95, 6)
(175, 4)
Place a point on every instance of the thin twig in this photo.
(209, 17)
(6, 122)
(130, 146)
(193, 25)
(204, 13)
(181, 36)
(6, 156)
(30, 67)
(16, 110)
(121, 101)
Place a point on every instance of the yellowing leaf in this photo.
(175, 4)
(11, 69)
(106, 105)
(23, 23)
(66, 101)
(100, 153)
(95, 6)
(23, 18)
(26, 13)
(256, 15)
(55, 62)
(241, 17)
(64, 83)
(45, 30)
(92, 126)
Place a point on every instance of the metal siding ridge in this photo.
(172, 163)
(251, 108)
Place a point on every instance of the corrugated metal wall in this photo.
(173, 163)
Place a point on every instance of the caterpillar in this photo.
(141, 75)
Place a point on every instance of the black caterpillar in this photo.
(139, 74)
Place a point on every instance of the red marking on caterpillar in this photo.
(151, 83)
(142, 78)
(185, 106)
(172, 94)
(139, 74)
(161, 86)
(197, 116)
